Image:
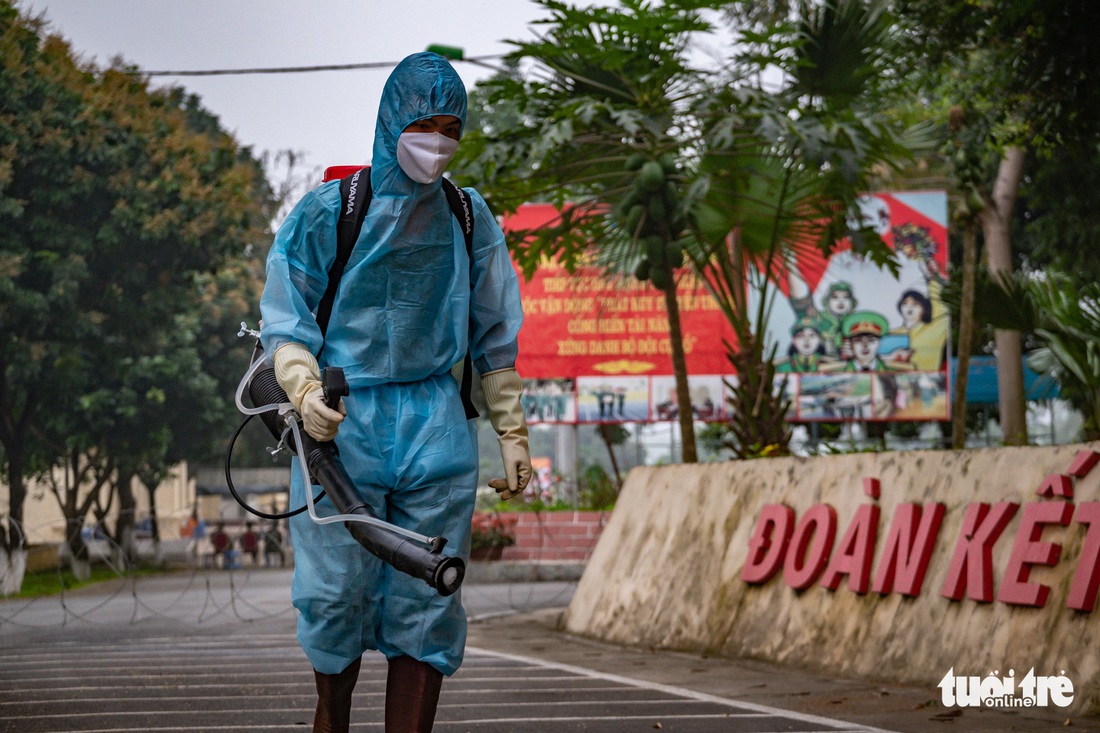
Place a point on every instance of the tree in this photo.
(599, 128)
(116, 201)
(38, 307)
(1028, 68)
(650, 159)
(1062, 321)
(783, 170)
(1054, 224)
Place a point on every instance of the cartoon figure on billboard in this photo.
(924, 318)
(807, 350)
(864, 334)
(874, 350)
(839, 301)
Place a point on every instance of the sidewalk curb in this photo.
(509, 571)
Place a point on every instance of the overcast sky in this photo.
(327, 115)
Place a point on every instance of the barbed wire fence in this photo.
(194, 592)
(179, 580)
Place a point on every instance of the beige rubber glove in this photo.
(503, 389)
(297, 372)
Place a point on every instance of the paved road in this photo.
(215, 651)
(254, 680)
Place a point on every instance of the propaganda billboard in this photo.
(595, 348)
(856, 342)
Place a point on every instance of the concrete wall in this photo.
(667, 569)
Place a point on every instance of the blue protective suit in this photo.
(409, 304)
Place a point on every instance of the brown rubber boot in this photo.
(334, 699)
(412, 693)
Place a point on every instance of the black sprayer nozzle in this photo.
(442, 572)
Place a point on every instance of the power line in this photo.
(270, 70)
(478, 60)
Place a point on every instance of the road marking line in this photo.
(679, 691)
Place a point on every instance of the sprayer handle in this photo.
(334, 386)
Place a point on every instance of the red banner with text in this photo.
(585, 323)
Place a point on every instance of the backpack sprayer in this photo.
(411, 553)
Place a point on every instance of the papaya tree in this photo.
(651, 160)
(599, 128)
(783, 169)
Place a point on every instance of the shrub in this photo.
(490, 529)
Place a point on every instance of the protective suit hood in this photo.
(405, 310)
(422, 85)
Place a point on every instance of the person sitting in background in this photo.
(250, 543)
(221, 543)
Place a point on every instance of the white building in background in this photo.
(185, 490)
(44, 521)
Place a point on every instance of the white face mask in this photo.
(425, 155)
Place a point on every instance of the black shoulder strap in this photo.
(464, 211)
(354, 199)
(355, 194)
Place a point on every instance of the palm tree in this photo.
(598, 128)
(650, 160)
(1062, 321)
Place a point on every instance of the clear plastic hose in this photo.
(289, 415)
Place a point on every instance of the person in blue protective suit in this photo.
(409, 305)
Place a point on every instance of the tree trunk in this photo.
(14, 537)
(124, 529)
(68, 494)
(13, 541)
(611, 453)
(76, 551)
(679, 368)
(966, 335)
(995, 220)
(154, 522)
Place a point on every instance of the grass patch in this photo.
(52, 582)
